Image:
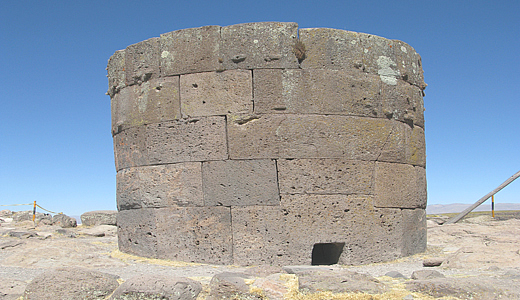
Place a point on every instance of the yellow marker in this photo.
(493, 206)
(34, 211)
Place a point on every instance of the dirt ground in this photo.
(477, 247)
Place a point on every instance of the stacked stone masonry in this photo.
(230, 149)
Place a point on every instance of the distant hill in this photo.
(459, 207)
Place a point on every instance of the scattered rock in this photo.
(394, 274)
(5, 213)
(64, 221)
(273, 286)
(67, 233)
(230, 286)
(339, 281)
(466, 288)
(426, 274)
(70, 283)
(28, 216)
(100, 230)
(11, 289)
(263, 271)
(10, 244)
(302, 269)
(433, 262)
(99, 217)
(157, 287)
(23, 234)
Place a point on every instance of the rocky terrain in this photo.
(478, 258)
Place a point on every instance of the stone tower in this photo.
(263, 143)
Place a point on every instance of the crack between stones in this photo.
(384, 144)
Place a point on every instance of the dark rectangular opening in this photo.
(326, 253)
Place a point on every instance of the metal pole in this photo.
(493, 206)
(483, 199)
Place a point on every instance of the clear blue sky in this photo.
(55, 141)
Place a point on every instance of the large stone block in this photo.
(190, 50)
(399, 185)
(409, 64)
(335, 49)
(259, 45)
(317, 92)
(116, 72)
(325, 176)
(415, 146)
(414, 238)
(136, 232)
(160, 186)
(194, 139)
(142, 61)
(195, 234)
(379, 58)
(307, 136)
(403, 102)
(152, 101)
(216, 93)
(287, 234)
(240, 183)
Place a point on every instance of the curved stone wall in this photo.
(263, 143)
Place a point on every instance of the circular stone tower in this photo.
(263, 143)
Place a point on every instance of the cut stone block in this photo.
(335, 49)
(160, 186)
(317, 92)
(409, 64)
(190, 50)
(194, 139)
(142, 61)
(403, 102)
(116, 72)
(259, 46)
(307, 136)
(195, 234)
(152, 101)
(379, 58)
(399, 185)
(216, 93)
(325, 176)
(414, 231)
(136, 232)
(415, 146)
(240, 183)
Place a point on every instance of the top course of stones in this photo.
(269, 45)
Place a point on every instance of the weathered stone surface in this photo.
(158, 287)
(339, 282)
(325, 176)
(100, 230)
(379, 58)
(426, 274)
(177, 184)
(216, 93)
(327, 48)
(194, 139)
(70, 283)
(240, 183)
(230, 286)
(466, 288)
(273, 286)
(116, 72)
(64, 221)
(195, 234)
(415, 146)
(259, 45)
(152, 101)
(433, 262)
(403, 102)
(11, 289)
(136, 232)
(190, 50)
(27, 215)
(99, 217)
(414, 233)
(399, 185)
(317, 92)
(273, 235)
(142, 61)
(409, 64)
(307, 136)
